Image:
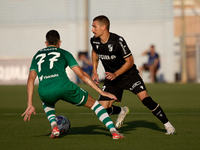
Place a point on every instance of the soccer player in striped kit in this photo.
(49, 65)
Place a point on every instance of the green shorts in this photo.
(71, 93)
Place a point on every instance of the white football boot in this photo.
(120, 120)
(170, 131)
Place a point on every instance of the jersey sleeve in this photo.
(33, 66)
(91, 42)
(70, 60)
(124, 48)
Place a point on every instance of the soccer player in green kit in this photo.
(49, 65)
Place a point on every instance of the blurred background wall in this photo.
(24, 24)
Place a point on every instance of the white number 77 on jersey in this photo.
(41, 60)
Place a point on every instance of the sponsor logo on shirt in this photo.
(106, 57)
(41, 78)
(47, 77)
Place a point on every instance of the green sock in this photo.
(50, 112)
(103, 116)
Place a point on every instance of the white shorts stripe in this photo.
(81, 101)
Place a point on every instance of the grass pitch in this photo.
(142, 130)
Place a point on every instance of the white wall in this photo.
(139, 36)
(24, 24)
(24, 42)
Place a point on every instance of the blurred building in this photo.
(24, 23)
(191, 28)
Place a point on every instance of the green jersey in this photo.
(50, 64)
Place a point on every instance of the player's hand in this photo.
(27, 114)
(110, 76)
(111, 96)
(95, 78)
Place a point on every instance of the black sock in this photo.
(159, 113)
(113, 110)
(155, 108)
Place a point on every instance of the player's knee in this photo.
(142, 95)
(106, 104)
(90, 102)
(149, 103)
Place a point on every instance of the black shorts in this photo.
(133, 83)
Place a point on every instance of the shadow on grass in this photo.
(87, 130)
(99, 129)
(133, 125)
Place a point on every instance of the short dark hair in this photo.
(152, 46)
(53, 37)
(104, 20)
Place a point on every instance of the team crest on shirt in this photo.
(110, 47)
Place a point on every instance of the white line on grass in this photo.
(135, 113)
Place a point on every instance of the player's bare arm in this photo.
(145, 52)
(88, 80)
(127, 65)
(95, 61)
(30, 88)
